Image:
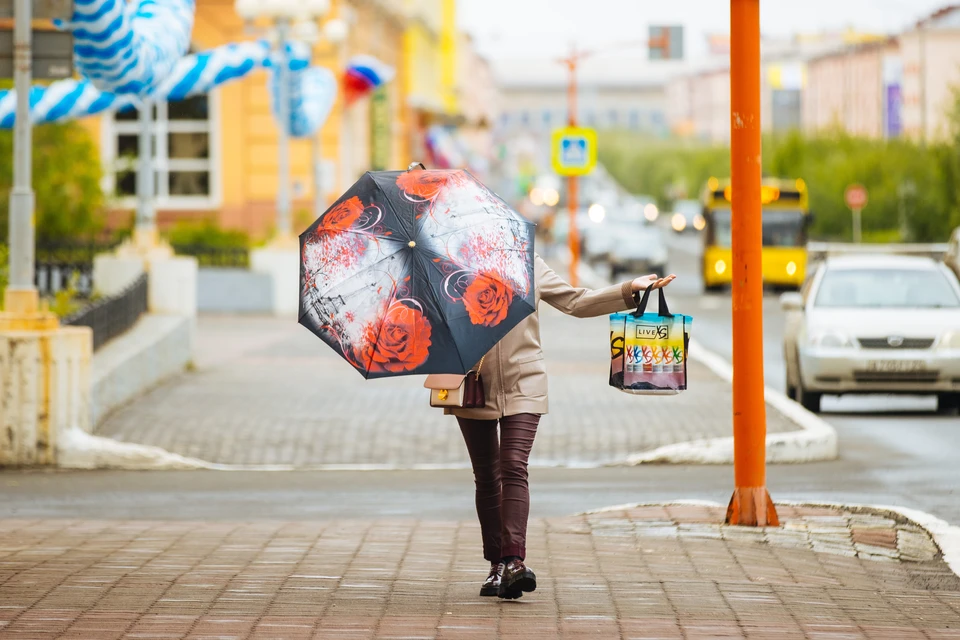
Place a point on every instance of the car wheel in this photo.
(948, 403)
(808, 399)
(791, 392)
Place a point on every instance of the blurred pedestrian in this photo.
(515, 386)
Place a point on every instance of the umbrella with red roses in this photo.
(416, 272)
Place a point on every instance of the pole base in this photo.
(22, 312)
(752, 507)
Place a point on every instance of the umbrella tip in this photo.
(416, 165)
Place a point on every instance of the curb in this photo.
(815, 441)
(945, 535)
(78, 449)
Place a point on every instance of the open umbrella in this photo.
(416, 272)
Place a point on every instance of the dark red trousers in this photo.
(500, 472)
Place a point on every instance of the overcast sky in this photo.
(546, 28)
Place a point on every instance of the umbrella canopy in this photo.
(416, 272)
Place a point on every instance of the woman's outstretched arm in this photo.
(586, 303)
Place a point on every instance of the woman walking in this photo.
(515, 385)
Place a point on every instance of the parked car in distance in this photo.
(638, 250)
(600, 239)
(560, 230)
(952, 259)
(687, 216)
(874, 324)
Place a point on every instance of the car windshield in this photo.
(886, 288)
(781, 228)
(641, 241)
(689, 208)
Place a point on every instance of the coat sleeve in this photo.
(578, 301)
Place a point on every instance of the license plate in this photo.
(895, 365)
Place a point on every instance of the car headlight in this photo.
(950, 340)
(679, 222)
(829, 339)
(699, 223)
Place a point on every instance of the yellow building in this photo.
(430, 56)
(216, 156)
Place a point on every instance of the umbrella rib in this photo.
(465, 227)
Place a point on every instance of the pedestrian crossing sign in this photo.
(574, 151)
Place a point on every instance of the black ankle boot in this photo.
(516, 580)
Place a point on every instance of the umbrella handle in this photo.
(416, 165)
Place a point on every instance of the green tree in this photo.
(828, 162)
(66, 179)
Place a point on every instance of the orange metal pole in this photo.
(572, 184)
(751, 504)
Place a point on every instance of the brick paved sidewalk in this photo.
(267, 392)
(652, 572)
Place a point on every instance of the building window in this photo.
(634, 119)
(547, 117)
(614, 117)
(184, 154)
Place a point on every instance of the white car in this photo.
(953, 252)
(874, 324)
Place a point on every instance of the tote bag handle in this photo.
(642, 307)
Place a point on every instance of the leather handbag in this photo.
(453, 391)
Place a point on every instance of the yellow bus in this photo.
(786, 219)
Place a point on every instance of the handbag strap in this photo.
(479, 366)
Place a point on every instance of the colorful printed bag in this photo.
(648, 351)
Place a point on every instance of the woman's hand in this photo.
(652, 281)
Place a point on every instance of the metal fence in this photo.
(207, 256)
(67, 266)
(109, 317)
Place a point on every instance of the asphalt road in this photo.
(893, 452)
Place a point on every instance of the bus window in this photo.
(783, 229)
(722, 234)
(780, 228)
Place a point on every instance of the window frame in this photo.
(162, 126)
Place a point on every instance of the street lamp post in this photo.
(21, 294)
(287, 16)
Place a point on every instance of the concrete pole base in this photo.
(22, 312)
(44, 392)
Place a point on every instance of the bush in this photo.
(66, 178)
(207, 234)
(211, 244)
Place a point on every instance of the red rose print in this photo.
(487, 300)
(343, 216)
(423, 184)
(400, 343)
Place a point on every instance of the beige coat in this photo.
(514, 375)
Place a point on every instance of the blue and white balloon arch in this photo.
(131, 54)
